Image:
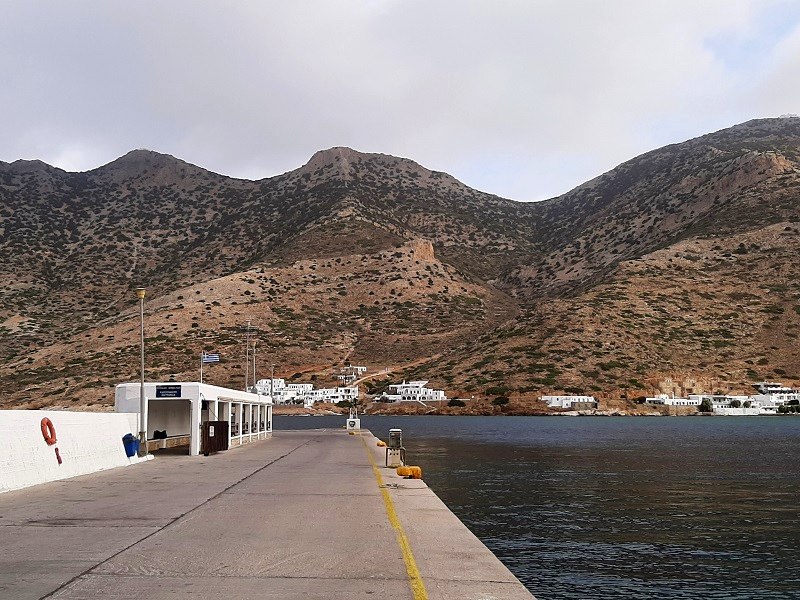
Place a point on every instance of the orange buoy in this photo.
(410, 472)
(48, 431)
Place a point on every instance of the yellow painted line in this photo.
(414, 578)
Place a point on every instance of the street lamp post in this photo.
(140, 293)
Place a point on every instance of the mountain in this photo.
(676, 266)
(729, 181)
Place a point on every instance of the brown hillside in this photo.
(713, 313)
(674, 270)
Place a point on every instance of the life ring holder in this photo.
(48, 431)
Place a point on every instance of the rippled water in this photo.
(607, 508)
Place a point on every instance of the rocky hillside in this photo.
(712, 313)
(735, 180)
(675, 268)
(77, 243)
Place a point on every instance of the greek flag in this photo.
(210, 358)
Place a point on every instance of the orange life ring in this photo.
(48, 431)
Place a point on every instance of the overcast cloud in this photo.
(522, 99)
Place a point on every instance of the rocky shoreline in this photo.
(476, 408)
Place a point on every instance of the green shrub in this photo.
(499, 390)
(612, 364)
(501, 401)
(456, 402)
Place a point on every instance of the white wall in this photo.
(737, 412)
(87, 442)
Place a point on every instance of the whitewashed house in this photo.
(574, 402)
(772, 395)
(277, 388)
(349, 373)
(332, 395)
(412, 391)
(303, 393)
(722, 404)
(301, 389)
(665, 400)
(718, 401)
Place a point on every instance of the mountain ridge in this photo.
(78, 243)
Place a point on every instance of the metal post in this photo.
(202, 355)
(140, 293)
(254, 363)
(271, 381)
(247, 356)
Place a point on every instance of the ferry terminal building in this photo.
(177, 410)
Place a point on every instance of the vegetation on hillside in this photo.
(675, 270)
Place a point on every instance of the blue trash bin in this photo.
(131, 444)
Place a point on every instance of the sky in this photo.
(524, 99)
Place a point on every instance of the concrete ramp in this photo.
(304, 515)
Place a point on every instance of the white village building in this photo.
(574, 402)
(332, 395)
(277, 388)
(412, 391)
(771, 395)
(665, 400)
(303, 393)
(349, 373)
(717, 400)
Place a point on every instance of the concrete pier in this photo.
(307, 514)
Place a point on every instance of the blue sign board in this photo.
(168, 391)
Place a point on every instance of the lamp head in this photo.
(140, 292)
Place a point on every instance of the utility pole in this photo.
(271, 381)
(247, 356)
(254, 363)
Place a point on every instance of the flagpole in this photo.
(201, 366)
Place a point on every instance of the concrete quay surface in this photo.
(301, 515)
